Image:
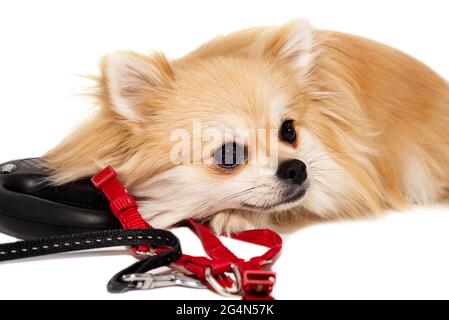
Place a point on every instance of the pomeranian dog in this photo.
(359, 128)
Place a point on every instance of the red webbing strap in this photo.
(122, 204)
(216, 250)
(257, 283)
(254, 279)
(212, 244)
(264, 237)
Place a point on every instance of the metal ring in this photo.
(149, 253)
(234, 290)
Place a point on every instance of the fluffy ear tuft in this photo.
(131, 79)
(292, 43)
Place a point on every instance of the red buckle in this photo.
(103, 176)
(258, 282)
(123, 203)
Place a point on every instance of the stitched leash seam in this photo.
(69, 244)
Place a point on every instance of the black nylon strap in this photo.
(86, 241)
(154, 238)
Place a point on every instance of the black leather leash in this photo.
(155, 238)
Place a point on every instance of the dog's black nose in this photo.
(293, 171)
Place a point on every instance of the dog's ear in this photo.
(291, 44)
(132, 80)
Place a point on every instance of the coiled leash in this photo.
(250, 278)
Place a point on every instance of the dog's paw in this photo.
(227, 222)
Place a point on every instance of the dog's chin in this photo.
(289, 200)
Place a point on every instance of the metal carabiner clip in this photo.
(146, 281)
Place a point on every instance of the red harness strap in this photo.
(256, 282)
(122, 204)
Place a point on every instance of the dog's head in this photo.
(231, 126)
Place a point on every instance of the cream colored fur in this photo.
(372, 127)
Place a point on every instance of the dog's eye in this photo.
(287, 132)
(230, 155)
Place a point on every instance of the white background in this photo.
(45, 45)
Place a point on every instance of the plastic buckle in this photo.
(103, 177)
(258, 282)
(123, 203)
